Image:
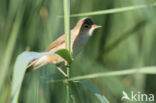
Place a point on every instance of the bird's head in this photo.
(86, 26)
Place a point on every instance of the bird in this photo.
(80, 35)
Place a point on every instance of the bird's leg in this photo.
(61, 71)
(61, 66)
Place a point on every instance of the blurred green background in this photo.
(126, 40)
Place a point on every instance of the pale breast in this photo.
(79, 43)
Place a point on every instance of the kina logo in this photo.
(137, 96)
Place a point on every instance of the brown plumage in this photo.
(79, 37)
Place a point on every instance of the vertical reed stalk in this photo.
(67, 41)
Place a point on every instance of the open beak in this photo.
(96, 26)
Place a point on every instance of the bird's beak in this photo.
(96, 26)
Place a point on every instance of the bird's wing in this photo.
(49, 58)
(57, 42)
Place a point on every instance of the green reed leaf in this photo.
(64, 53)
(19, 71)
(111, 11)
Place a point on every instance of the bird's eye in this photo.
(86, 26)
